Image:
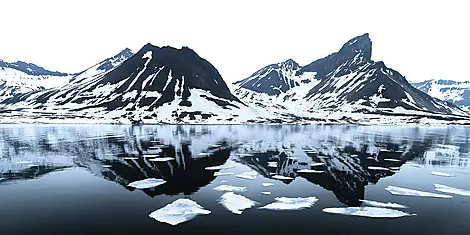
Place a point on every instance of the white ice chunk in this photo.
(286, 203)
(214, 168)
(267, 184)
(310, 171)
(230, 188)
(106, 166)
(378, 168)
(447, 189)
(244, 155)
(371, 158)
(272, 164)
(179, 211)
(150, 155)
(223, 173)
(147, 183)
(373, 212)
(281, 177)
(383, 204)
(317, 164)
(436, 173)
(33, 165)
(235, 203)
(391, 160)
(266, 193)
(131, 158)
(24, 162)
(411, 192)
(162, 159)
(251, 175)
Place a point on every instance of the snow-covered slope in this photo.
(20, 77)
(345, 83)
(448, 90)
(157, 84)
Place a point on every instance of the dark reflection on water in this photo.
(351, 162)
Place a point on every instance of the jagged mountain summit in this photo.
(448, 90)
(157, 84)
(345, 83)
(21, 77)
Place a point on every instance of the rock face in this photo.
(161, 84)
(345, 81)
(448, 90)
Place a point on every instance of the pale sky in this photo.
(420, 39)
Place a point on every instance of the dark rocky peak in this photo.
(354, 54)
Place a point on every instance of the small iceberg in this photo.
(286, 203)
(106, 166)
(251, 175)
(354, 155)
(411, 192)
(267, 184)
(436, 173)
(33, 165)
(378, 168)
(317, 164)
(310, 171)
(204, 154)
(266, 193)
(235, 203)
(447, 189)
(372, 212)
(149, 155)
(391, 160)
(162, 159)
(281, 177)
(222, 173)
(131, 158)
(383, 204)
(24, 162)
(214, 168)
(371, 158)
(272, 164)
(147, 183)
(230, 188)
(179, 211)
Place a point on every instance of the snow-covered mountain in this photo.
(448, 90)
(157, 84)
(21, 77)
(345, 83)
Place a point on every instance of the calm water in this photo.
(73, 179)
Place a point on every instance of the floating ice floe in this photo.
(447, 189)
(149, 155)
(230, 188)
(373, 212)
(281, 177)
(235, 203)
(354, 155)
(244, 155)
(310, 171)
(371, 158)
(131, 158)
(317, 164)
(272, 164)
(179, 211)
(267, 184)
(411, 192)
(378, 168)
(384, 204)
(251, 175)
(106, 166)
(162, 159)
(214, 168)
(436, 173)
(391, 160)
(266, 193)
(24, 162)
(286, 203)
(204, 154)
(147, 183)
(223, 173)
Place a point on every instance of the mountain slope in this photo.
(157, 84)
(344, 83)
(448, 90)
(21, 77)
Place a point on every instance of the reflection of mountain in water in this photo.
(346, 171)
(185, 174)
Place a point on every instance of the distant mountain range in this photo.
(448, 90)
(168, 85)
